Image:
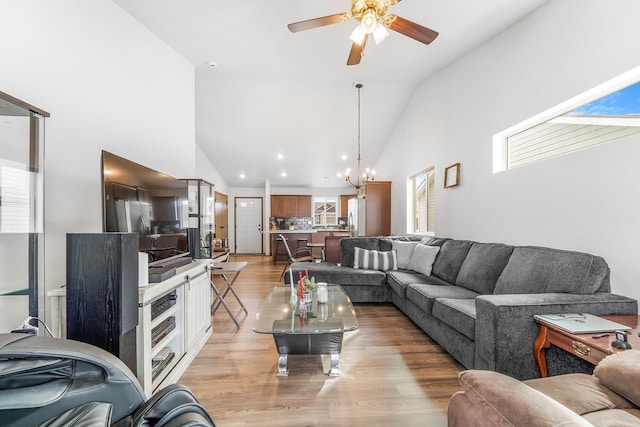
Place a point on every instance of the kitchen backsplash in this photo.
(297, 222)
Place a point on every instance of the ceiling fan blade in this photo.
(410, 29)
(318, 22)
(355, 55)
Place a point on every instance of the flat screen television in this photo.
(138, 199)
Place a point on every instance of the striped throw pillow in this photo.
(375, 260)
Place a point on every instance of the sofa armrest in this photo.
(490, 398)
(506, 331)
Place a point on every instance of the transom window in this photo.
(421, 202)
(608, 112)
(325, 211)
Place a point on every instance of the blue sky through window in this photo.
(623, 102)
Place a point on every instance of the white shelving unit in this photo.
(191, 312)
(182, 327)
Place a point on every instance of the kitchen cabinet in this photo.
(378, 208)
(290, 206)
(277, 206)
(304, 206)
(344, 204)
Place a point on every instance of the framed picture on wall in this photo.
(452, 175)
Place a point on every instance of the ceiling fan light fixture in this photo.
(380, 33)
(357, 36)
(369, 21)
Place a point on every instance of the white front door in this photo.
(248, 225)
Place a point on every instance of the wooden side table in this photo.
(585, 346)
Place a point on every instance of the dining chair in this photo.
(295, 256)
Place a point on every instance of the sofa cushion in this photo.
(423, 258)
(594, 396)
(434, 241)
(482, 266)
(504, 401)
(450, 259)
(386, 243)
(399, 280)
(614, 418)
(615, 371)
(425, 295)
(374, 260)
(349, 243)
(533, 270)
(333, 273)
(404, 251)
(460, 314)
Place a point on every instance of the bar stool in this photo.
(303, 241)
(276, 249)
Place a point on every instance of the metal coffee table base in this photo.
(329, 343)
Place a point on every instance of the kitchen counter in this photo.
(308, 230)
(312, 235)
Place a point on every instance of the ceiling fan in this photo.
(373, 19)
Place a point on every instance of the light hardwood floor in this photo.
(392, 373)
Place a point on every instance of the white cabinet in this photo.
(175, 322)
(198, 317)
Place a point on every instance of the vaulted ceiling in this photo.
(275, 92)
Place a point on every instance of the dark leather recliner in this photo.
(56, 382)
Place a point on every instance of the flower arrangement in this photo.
(308, 284)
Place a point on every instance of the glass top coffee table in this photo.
(311, 328)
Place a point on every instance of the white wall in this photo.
(109, 84)
(585, 201)
(205, 170)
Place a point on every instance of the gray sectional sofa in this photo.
(477, 300)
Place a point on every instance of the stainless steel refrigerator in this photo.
(357, 217)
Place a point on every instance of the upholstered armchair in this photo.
(609, 397)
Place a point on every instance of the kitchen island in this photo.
(313, 235)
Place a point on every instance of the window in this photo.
(325, 211)
(608, 112)
(421, 202)
(15, 211)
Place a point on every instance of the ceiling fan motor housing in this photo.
(379, 7)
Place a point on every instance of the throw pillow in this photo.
(618, 372)
(404, 250)
(422, 258)
(374, 260)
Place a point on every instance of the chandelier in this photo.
(367, 175)
(373, 20)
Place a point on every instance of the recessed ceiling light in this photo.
(339, 175)
(283, 174)
(343, 157)
(242, 176)
(280, 156)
